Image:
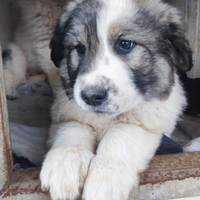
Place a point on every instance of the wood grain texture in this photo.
(190, 10)
(6, 161)
(8, 20)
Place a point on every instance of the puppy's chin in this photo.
(105, 114)
(101, 111)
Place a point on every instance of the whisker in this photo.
(58, 103)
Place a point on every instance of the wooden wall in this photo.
(190, 10)
(8, 18)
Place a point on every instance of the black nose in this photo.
(94, 97)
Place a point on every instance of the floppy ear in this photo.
(57, 42)
(181, 48)
(57, 45)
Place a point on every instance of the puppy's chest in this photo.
(145, 117)
(150, 122)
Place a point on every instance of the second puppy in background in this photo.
(30, 51)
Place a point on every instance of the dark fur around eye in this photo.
(80, 49)
(124, 46)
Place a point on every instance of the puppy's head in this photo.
(114, 54)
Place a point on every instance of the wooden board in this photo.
(190, 10)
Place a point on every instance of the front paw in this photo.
(64, 171)
(11, 93)
(108, 180)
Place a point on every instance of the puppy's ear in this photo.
(181, 48)
(57, 45)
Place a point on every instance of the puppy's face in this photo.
(114, 54)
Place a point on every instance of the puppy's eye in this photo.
(125, 46)
(80, 49)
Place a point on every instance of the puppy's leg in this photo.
(15, 66)
(66, 164)
(122, 154)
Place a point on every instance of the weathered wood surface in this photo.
(190, 10)
(6, 163)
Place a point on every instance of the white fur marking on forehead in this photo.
(111, 12)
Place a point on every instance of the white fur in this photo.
(67, 165)
(15, 70)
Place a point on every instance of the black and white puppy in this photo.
(119, 94)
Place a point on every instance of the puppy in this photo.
(29, 50)
(118, 94)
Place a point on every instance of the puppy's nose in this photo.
(94, 97)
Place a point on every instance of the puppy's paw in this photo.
(11, 93)
(64, 172)
(107, 181)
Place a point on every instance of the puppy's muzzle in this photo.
(94, 97)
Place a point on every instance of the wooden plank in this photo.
(8, 19)
(197, 50)
(191, 32)
(190, 10)
(169, 176)
(6, 161)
